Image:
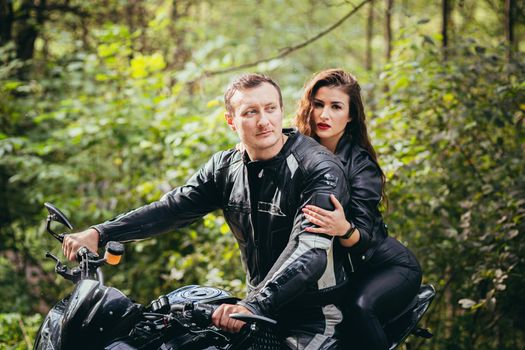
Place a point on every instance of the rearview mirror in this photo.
(56, 215)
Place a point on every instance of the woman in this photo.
(386, 274)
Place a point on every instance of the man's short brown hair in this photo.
(248, 81)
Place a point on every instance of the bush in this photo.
(453, 135)
(17, 332)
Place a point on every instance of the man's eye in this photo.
(271, 108)
(250, 112)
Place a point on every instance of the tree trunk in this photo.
(85, 33)
(369, 35)
(388, 29)
(510, 6)
(179, 51)
(25, 39)
(444, 28)
(129, 9)
(143, 24)
(403, 11)
(26, 35)
(388, 40)
(6, 21)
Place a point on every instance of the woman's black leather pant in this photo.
(382, 287)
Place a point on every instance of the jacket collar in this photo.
(292, 134)
(343, 148)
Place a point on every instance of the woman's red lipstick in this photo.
(323, 126)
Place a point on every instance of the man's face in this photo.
(257, 118)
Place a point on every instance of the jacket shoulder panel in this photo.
(310, 154)
(360, 159)
(225, 159)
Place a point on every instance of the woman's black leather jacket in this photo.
(283, 262)
(364, 179)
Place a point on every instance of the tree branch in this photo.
(288, 50)
(76, 10)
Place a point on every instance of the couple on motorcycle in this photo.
(306, 220)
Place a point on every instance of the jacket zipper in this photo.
(350, 260)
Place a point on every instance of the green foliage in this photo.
(17, 332)
(117, 110)
(118, 131)
(453, 136)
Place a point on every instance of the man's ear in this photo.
(229, 119)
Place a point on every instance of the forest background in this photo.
(105, 105)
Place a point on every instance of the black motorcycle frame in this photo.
(95, 316)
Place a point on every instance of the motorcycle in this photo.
(96, 316)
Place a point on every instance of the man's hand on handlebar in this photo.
(221, 317)
(73, 242)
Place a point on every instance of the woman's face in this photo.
(331, 113)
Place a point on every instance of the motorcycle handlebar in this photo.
(201, 314)
(88, 268)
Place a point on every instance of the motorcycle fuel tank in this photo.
(200, 294)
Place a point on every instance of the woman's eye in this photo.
(336, 107)
(318, 105)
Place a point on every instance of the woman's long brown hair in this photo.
(356, 128)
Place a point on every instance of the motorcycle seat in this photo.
(426, 294)
(399, 327)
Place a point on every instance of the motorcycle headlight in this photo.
(96, 314)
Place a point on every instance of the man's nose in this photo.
(263, 120)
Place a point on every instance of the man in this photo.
(291, 274)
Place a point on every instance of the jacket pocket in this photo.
(238, 218)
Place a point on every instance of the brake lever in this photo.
(49, 220)
(254, 319)
(58, 262)
(68, 274)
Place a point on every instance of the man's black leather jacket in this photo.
(283, 262)
(364, 177)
